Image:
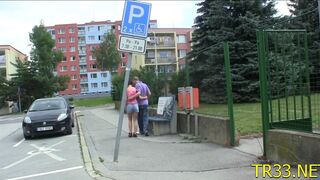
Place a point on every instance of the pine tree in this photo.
(235, 22)
(306, 17)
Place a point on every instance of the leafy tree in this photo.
(178, 80)
(147, 76)
(35, 78)
(235, 22)
(107, 54)
(3, 87)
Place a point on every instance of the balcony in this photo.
(82, 62)
(84, 90)
(84, 80)
(81, 33)
(81, 42)
(82, 52)
(83, 70)
(169, 44)
(161, 60)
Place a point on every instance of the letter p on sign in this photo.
(132, 12)
(135, 20)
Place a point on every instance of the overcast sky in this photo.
(18, 17)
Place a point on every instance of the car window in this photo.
(42, 105)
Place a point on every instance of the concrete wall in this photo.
(212, 129)
(293, 147)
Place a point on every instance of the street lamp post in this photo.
(155, 52)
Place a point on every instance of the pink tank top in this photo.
(131, 91)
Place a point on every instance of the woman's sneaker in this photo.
(134, 135)
(130, 135)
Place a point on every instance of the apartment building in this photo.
(77, 41)
(9, 55)
(166, 50)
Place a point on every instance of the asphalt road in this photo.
(51, 157)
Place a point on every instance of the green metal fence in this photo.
(289, 81)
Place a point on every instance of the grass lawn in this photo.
(91, 102)
(248, 115)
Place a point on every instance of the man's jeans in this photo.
(143, 119)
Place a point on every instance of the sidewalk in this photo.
(158, 157)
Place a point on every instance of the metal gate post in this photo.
(263, 86)
(229, 91)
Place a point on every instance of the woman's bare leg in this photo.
(135, 122)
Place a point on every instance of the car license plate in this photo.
(47, 128)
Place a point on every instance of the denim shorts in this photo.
(131, 108)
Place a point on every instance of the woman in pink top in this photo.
(132, 109)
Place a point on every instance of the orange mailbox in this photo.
(188, 98)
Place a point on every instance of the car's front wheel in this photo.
(26, 136)
(69, 130)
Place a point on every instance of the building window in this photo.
(71, 39)
(123, 55)
(52, 32)
(71, 30)
(73, 68)
(94, 85)
(181, 38)
(150, 54)
(72, 49)
(63, 68)
(100, 28)
(93, 76)
(90, 28)
(62, 49)
(61, 40)
(165, 54)
(91, 38)
(104, 84)
(104, 75)
(92, 58)
(92, 48)
(101, 38)
(64, 59)
(72, 58)
(74, 77)
(182, 53)
(93, 66)
(74, 87)
(61, 31)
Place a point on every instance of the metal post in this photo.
(123, 101)
(229, 92)
(155, 52)
(19, 94)
(263, 87)
(319, 11)
(187, 72)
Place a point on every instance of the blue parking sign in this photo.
(135, 19)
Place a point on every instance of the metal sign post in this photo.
(122, 106)
(135, 24)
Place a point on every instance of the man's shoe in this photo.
(146, 134)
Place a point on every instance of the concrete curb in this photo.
(85, 151)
